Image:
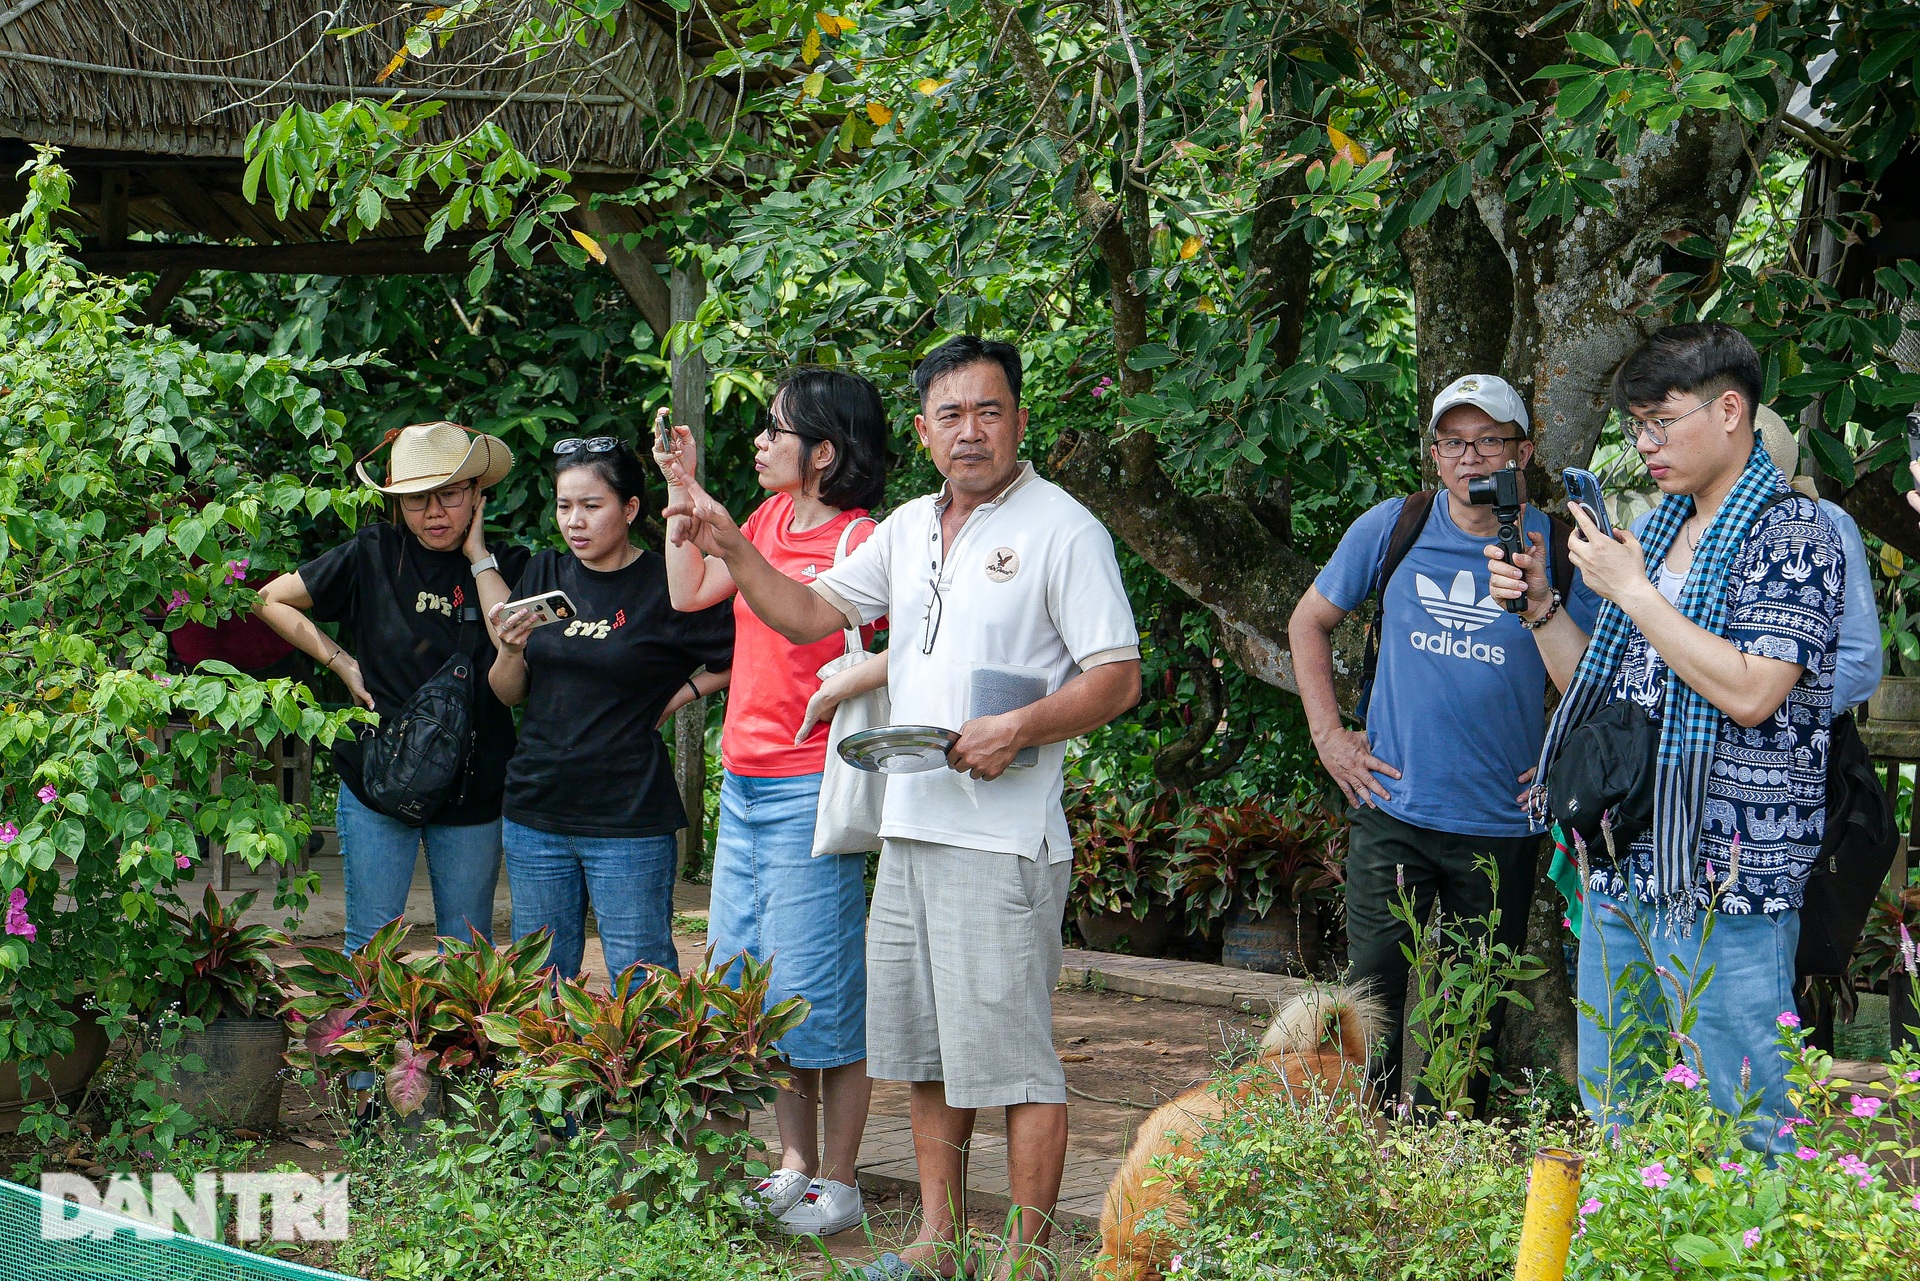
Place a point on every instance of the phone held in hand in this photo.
(548, 607)
(1583, 487)
(1913, 436)
(662, 433)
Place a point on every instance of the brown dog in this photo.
(1316, 1045)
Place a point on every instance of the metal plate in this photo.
(898, 749)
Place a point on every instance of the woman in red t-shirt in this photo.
(823, 455)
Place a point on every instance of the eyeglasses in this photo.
(592, 444)
(1485, 446)
(452, 498)
(1655, 429)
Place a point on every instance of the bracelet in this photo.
(1553, 607)
(693, 687)
(337, 651)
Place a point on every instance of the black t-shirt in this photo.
(404, 629)
(590, 761)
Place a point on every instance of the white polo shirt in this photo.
(1030, 581)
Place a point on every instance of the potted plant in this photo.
(1122, 871)
(416, 1022)
(1262, 869)
(1896, 700)
(229, 1073)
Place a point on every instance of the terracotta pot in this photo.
(1897, 700)
(1123, 932)
(241, 1083)
(1281, 942)
(67, 1074)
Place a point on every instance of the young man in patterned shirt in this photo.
(1722, 622)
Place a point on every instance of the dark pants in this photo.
(1385, 854)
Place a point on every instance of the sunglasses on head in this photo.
(592, 444)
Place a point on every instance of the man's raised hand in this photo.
(693, 515)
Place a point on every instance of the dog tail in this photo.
(1350, 1016)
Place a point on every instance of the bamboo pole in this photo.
(1553, 1196)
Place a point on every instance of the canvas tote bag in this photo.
(848, 820)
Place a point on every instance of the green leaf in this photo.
(1593, 47)
(1831, 454)
(921, 282)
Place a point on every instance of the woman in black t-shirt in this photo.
(591, 806)
(409, 593)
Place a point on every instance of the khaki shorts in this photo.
(963, 950)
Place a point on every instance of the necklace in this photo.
(1693, 540)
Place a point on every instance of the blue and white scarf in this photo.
(1689, 727)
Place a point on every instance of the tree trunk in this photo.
(688, 287)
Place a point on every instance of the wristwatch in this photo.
(484, 564)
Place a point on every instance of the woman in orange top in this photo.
(823, 456)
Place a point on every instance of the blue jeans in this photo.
(629, 880)
(774, 901)
(377, 854)
(1736, 1026)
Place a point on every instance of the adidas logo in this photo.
(1456, 608)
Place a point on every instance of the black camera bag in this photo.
(1856, 850)
(1607, 762)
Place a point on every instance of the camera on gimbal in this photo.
(1506, 492)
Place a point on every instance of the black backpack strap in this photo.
(1406, 531)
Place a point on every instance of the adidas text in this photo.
(1451, 646)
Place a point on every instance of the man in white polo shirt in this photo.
(999, 569)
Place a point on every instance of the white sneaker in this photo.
(826, 1208)
(779, 1192)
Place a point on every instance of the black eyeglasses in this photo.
(592, 444)
(1485, 446)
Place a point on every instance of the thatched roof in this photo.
(154, 99)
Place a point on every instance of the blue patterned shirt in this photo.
(1785, 597)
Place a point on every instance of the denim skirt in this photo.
(774, 901)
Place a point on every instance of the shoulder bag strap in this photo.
(839, 554)
(1558, 532)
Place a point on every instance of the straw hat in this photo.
(430, 456)
(1783, 448)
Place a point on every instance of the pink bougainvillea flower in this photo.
(1751, 1237)
(237, 570)
(1865, 1106)
(1806, 1153)
(1788, 1019)
(182, 862)
(48, 794)
(1733, 1167)
(17, 922)
(8, 833)
(1655, 1176)
(1682, 1075)
(178, 599)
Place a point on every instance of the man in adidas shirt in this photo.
(1457, 712)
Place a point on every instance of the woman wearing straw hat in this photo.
(410, 593)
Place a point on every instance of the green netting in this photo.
(27, 1255)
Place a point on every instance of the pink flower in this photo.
(1913, 1076)
(182, 862)
(1751, 1237)
(1101, 389)
(1682, 1075)
(1806, 1153)
(48, 794)
(1865, 1106)
(1859, 1169)
(8, 833)
(1909, 956)
(1733, 1167)
(178, 599)
(237, 570)
(17, 922)
(1590, 1206)
(1655, 1176)
(1916, 1201)
(1786, 1126)
(1566, 922)
(1788, 1019)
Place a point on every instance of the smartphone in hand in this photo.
(548, 607)
(662, 433)
(1583, 487)
(1913, 436)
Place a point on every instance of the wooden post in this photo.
(688, 288)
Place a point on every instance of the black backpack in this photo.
(1856, 850)
(1406, 531)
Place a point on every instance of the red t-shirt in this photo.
(772, 677)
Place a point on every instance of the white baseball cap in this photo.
(1490, 392)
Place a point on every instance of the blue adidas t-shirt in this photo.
(1459, 697)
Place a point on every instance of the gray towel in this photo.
(1002, 689)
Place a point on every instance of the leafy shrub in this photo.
(660, 1053)
(230, 965)
(1261, 852)
(1123, 851)
(413, 1018)
(129, 502)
